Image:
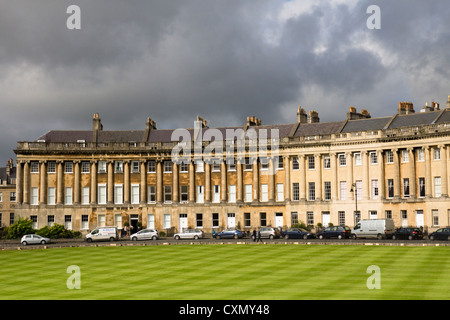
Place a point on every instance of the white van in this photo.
(103, 233)
(374, 228)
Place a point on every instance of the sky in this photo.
(172, 60)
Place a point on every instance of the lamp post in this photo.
(355, 189)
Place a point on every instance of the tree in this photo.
(20, 228)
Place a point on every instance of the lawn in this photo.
(236, 272)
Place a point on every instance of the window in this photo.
(84, 222)
(420, 155)
(34, 196)
(405, 187)
(264, 163)
(151, 194)
(311, 163)
(51, 196)
(341, 218)
(151, 166)
(373, 158)
(262, 219)
(421, 187)
(436, 154)
(247, 164)
(404, 216)
(200, 198)
(389, 157)
(68, 195)
(216, 166)
(375, 190)
(248, 193)
(167, 166)
(280, 162)
(295, 165)
(216, 193)
(135, 194)
(12, 196)
(232, 193)
(280, 192)
(215, 220)
(343, 161)
(118, 194)
(183, 167)
(68, 222)
(388, 214)
(311, 191)
(232, 166)
(310, 218)
(34, 222)
(405, 156)
(264, 192)
(327, 189)
(435, 215)
(437, 187)
(166, 222)
(343, 190)
(373, 214)
(51, 167)
(167, 194)
(68, 167)
(358, 159)
(101, 166)
(85, 167)
(34, 167)
(85, 195)
(118, 166)
(247, 220)
(326, 162)
(101, 194)
(184, 194)
(390, 185)
(50, 220)
(358, 189)
(134, 166)
(199, 220)
(294, 218)
(295, 191)
(118, 220)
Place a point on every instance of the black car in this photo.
(441, 234)
(407, 233)
(297, 233)
(334, 232)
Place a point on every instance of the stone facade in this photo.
(332, 172)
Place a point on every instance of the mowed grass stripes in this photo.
(236, 272)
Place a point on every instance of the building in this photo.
(7, 194)
(315, 172)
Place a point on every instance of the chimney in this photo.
(353, 115)
(253, 121)
(9, 166)
(405, 108)
(313, 117)
(435, 106)
(448, 102)
(426, 108)
(302, 117)
(202, 123)
(96, 127)
(149, 126)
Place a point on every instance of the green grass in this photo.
(237, 272)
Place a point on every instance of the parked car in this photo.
(230, 233)
(374, 228)
(103, 234)
(189, 234)
(407, 233)
(145, 234)
(441, 234)
(33, 239)
(298, 233)
(269, 232)
(340, 232)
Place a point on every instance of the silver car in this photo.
(189, 234)
(33, 239)
(145, 234)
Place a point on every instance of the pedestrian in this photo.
(254, 235)
(259, 236)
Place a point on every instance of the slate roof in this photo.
(366, 124)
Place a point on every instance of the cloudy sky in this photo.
(224, 60)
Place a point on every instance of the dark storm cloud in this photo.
(222, 60)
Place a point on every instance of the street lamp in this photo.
(355, 189)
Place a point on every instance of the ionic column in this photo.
(77, 183)
(93, 182)
(255, 187)
(191, 182)
(207, 181)
(349, 162)
(366, 183)
(272, 171)
(287, 178)
(397, 181)
(382, 188)
(427, 172)
(334, 177)
(19, 182)
(444, 179)
(59, 183)
(159, 182)
(318, 165)
(26, 182)
(412, 173)
(223, 182)
(175, 188)
(302, 185)
(43, 183)
(126, 182)
(239, 187)
(143, 189)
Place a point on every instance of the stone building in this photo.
(315, 172)
(7, 194)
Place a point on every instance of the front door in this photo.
(231, 220)
(183, 223)
(279, 219)
(419, 218)
(134, 219)
(326, 219)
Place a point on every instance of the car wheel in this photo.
(134, 238)
(354, 236)
(410, 237)
(218, 237)
(195, 237)
(24, 243)
(236, 236)
(379, 236)
(394, 237)
(43, 242)
(340, 236)
(431, 238)
(286, 237)
(154, 237)
(305, 237)
(271, 237)
(177, 237)
(111, 239)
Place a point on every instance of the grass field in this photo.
(236, 272)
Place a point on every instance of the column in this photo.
(382, 188)
(272, 172)
(77, 183)
(207, 181)
(191, 182)
(366, 179)
(159, 182)
(239, 187)
(319, 186)
(302, 185)
(43, 183)
(175, 197)
(334, 177)
(255, 186)
(143, 164)
(223, 182)
(59, 183)
(397, 181)
(287, 178)
(93, 182)
(110, 186)
(444, 179)
(19, 182)
(412, 173)
(26, 183)
(126, 182)
(349, 162)
(428, 182)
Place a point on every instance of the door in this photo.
(326, 219)
(134, 219)
(231, 220)
(279, 219)
(183, 223)
(419, 218)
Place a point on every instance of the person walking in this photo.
(254, 235)
(259, 236)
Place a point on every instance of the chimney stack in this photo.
(405, 108)
(313, 117)
(149, 126)
(448, 102)
(352, 114)
(96, 127)
(202, 123)
(302, 117)
(253, 121)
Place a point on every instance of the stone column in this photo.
(287, 178)
(397, 181)
(26, 182)
(302, 185)
(191, 182)
(126, 182)
(255, 186)
(143, 164)
(43, 183)
(319, 186)
(159, 182)
(77, 183)
(272, 172)
(239, 187)
(428, 181)
(175, 197)
(110, 183)
(59, 183)
(334, 177)
(93, 182)
(19, 182)
(207, 181)
(366, 179)
(223, 182)
(444, 179)
(412, 173)
(349, 162)
(382, 188)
